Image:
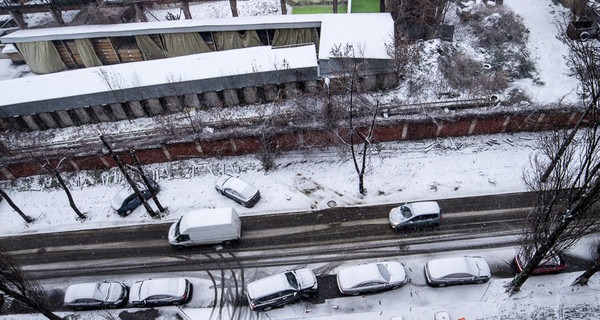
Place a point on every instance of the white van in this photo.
(206, 226)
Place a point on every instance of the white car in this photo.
(282, 288)
(155, 292)
(94, 295)
(457, 270)
(415, 214)
(371, 277)
(238, 190)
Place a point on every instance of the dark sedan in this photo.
(126, 200)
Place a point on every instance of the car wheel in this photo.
(267, 308)
(395, 287)
(355, 293)
(179, 247)
(441, 285)
(128, 212)
(479, 281)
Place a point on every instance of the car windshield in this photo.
(177, 227)
(101, 291)
(406, 212)
(291, 278)
(385, 273)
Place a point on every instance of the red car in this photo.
(553, 263)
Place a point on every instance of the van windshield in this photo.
(291, 278)
(177, 227)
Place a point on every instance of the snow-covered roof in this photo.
(350, 277)
(9, 48)
(269, 285)
(370, 31)
(67, 85)
(207, 217)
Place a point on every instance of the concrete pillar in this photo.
(191, 100)
(31, 123)
(136, 109)
(173, 104)
(118, 111)
(154, 106)
(271, 92)
(18, 18)
(231, 98)
(140, 16)
(57, 15)
(101, 114)
(311, 86)
(47, 120)
(369, 83)
(166, 151)
(185, 6)
(212, 99)
(7, 173)
(250, 95)
(291, 89)
(83, 116)
(390, 80)
(64, 119)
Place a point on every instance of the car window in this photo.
(129, 199)
(406, 212)
(291, 278)
(369, 284)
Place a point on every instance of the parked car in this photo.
(371, 277)
(125, 201)
(94, 295)
(157, 292)
(553, 263)
(457, 270)
(415, 214)
(238, 190)
(282, 288)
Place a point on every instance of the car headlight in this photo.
(395, 223)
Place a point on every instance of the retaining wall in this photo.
(399, 131)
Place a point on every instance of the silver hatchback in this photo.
(415, 214)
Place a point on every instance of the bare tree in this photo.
(140, 171)
(361, 114)
(335, 6)
(55, 173)
(25, 217)
(566, 175)
(233, 4)
(132, 183)
(14, 283)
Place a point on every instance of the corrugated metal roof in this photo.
(193, 25)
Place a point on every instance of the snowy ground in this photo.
(405, 171)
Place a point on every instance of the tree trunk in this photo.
(64, 186)
(233, 4)
(136, 161)
(583, 279)
(381, 5)
(25, 217)
(283, 7)
(335, 6)
(129, 180)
